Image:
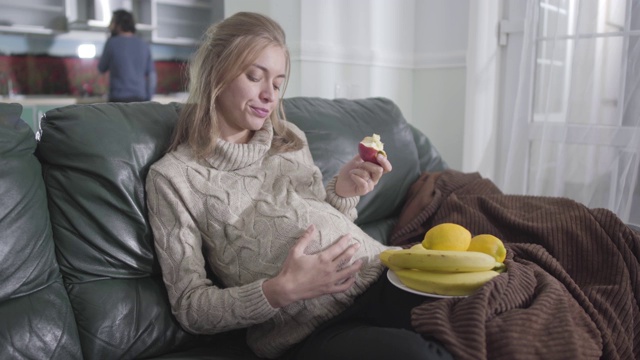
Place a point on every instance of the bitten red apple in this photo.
(370, 147)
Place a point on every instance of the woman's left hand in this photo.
(358, 177)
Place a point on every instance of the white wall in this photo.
(440, 74)
(411, 51)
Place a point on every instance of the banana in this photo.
(384, 256)
(418, 247)
(443, 283)
(384, 259)
(441, 260)
(500, 267)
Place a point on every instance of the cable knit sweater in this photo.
(239, 212)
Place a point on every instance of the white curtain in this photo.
(576, 130)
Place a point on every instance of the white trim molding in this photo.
(329, 53)
(452, 59)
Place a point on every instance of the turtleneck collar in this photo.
(229, 156)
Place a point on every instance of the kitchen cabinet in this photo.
(182, 22)
(33, 16)
(29, 117)
(32, 114)
(96, 14)
(35, 106)
(171, 22)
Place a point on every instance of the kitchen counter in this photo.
(28, 100)
(61, 100)
(35, 106)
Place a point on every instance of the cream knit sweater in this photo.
(239, 212)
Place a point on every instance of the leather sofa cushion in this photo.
(37, 319)
(95, 159)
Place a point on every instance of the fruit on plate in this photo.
(442, 272)
(448, 261)
(488, 244)
(441, 260)
(500, 267)
(445, 283)
(384, 259)
(370, 147)
(447, 236)
(418, 247)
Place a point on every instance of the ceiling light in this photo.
(86, 51)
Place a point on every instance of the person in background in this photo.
(238, 191)
(127, 58)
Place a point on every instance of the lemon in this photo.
(447, 236)
(418, 247)
(488, 244)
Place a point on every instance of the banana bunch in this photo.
(442, 272)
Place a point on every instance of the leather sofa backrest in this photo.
(95, 159)
(37, 318)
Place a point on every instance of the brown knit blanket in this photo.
(571, 290)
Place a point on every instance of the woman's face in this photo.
(245, 104)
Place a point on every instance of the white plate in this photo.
(393, 278)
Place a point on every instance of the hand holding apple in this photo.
(361, 174)
(370, 147)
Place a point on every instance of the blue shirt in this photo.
(131, 69)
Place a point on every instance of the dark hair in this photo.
(124, 21)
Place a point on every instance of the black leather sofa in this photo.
(78, 274)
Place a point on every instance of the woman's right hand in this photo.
(308, 276)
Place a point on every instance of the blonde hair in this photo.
(228, 49)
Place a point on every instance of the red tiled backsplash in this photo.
(50, 75)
